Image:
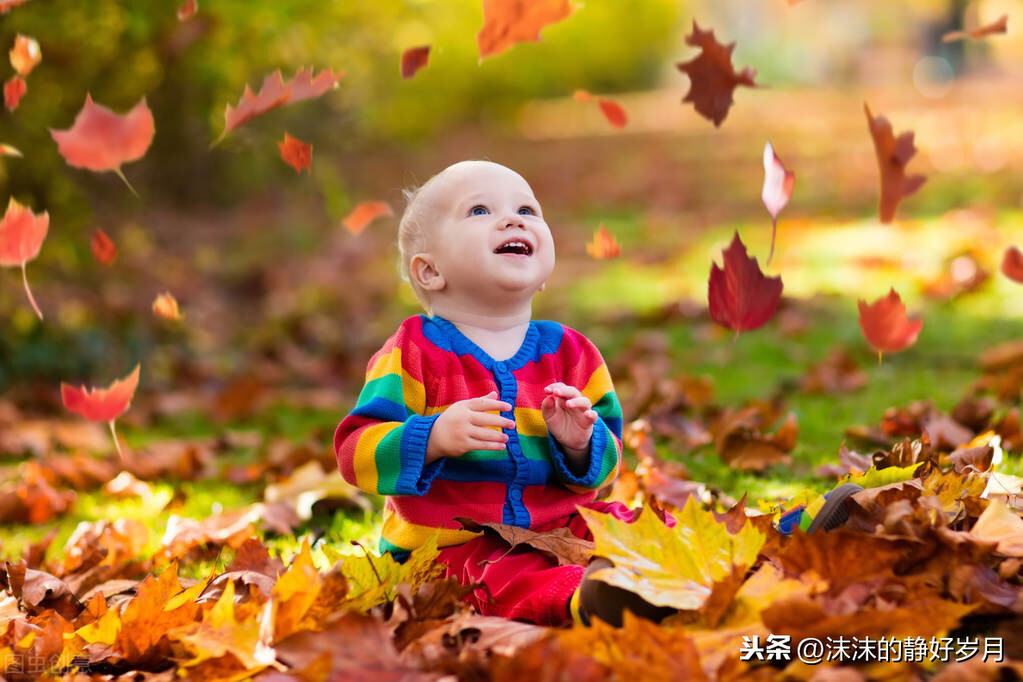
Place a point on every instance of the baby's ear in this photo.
(424, 273)
(543, 286)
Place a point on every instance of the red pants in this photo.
(524, 583)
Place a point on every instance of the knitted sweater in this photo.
(427, 365)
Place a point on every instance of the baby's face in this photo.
(487, 234)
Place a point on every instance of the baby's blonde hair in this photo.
(412, 239)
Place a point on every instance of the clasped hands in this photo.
(467, 424)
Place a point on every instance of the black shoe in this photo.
(835, 512)
(608, 603)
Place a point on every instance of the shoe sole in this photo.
(834, 513)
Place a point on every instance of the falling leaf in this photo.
(613, 112)
(187, 9)
(8, 150)
(1001, 25)
(275, 92)
(777, 190)
(365, 213)
(603, 245)
(21, 236)
(741, 297)
(507, 22)
(14, 90)
(166, 306)
(712, 78)
(885, 324)
(102, 404)
(25, 54)
(1012, 264)
(296, 153)
(100, 140)
(103, 250)
(892, 156)
(414, 59)
(673, 567)
(7, 5)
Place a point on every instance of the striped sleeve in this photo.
(585, 369)
(381, 445)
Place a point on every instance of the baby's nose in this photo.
(512, 222)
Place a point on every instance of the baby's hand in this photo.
(569, 416)
(463, 427)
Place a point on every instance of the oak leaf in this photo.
(21, 236)
(712, 78)
(777, 189)
(1012, 264)
(613, 112)
(1000, 25)
(604, 245)
(103, 249)
(892, 156)
(507, 22)
(166, 306)
(296, 153)
(740, 296)
(275, 92)
(365, 213)
(14, 90)
(885, 325)
(414, 59)
(101, 140)
(674, 567)
(102, 404)
(25, 54)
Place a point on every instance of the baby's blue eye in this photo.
(526, 210)
(478, 210)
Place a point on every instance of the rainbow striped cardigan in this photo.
(429, 364)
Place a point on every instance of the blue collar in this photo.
(463, 345)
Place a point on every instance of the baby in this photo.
(478, 411)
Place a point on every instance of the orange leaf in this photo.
(885, 324)
(25, 54)
(712, 78)
(21, 236)
(103, 250)
(999, 26)
(414, 59)
(7, 5)
(603, 245)
(8, 150)
(892, 156)
(777, 190)
(365, 213)
(166, 306)
(1012, 264)
(14, 90)
(275, 92)
(100, 140)
(740, 296)
(613, 112)
(187, 10)
(101, 404)
(507, 22)
(296, 153)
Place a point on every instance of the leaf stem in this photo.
(879, 357)
(374, 568)
(24, 278)
(774, 228)
(120, 174)
(113, 434)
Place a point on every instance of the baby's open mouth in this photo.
(515, 246)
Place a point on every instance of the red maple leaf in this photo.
(1012, 264)
(885, 324)
(507, 22)
(103, 249)
(1001, 25)
(892, 156)
(296, 153)
(712, 78)
(21, 236)
(604, 245)
(274, 93)
(613, 112)
(365, 213)
(14, 90)
(414, 59)
(100, 140)
(102, 404)
(778, 182)
(740, 296)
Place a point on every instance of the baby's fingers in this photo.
(580, 403)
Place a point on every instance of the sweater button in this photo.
(516, 495)
(500, 366)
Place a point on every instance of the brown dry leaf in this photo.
(1000, 25)
(33, 499)
(893, 154)
(1001, 524)
(838, 372)
(712, 76)
(559, 544)
(145, 623)
(739, 440)
(840, 557)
